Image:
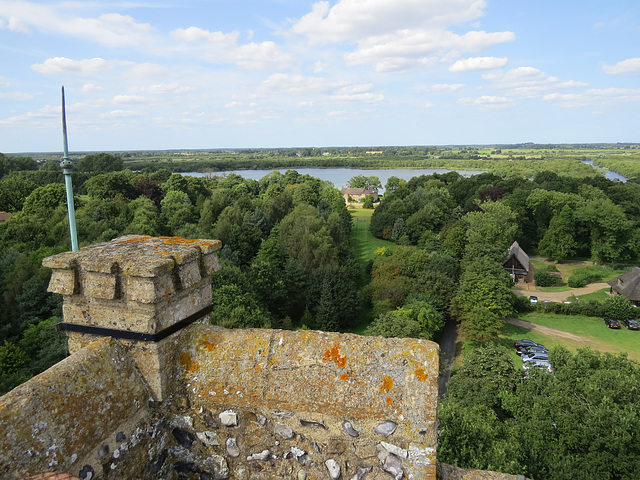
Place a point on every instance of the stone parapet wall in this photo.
(305, 402)
(449, 472)
(59, 420)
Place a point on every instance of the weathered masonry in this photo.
(152, 391)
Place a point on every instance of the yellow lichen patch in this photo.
(180, 241)
(344, 377)
(334, 354)
(387, 385)
(188, 363)
(389, 401)
(421, 375)
(208, 346)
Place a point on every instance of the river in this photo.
(340, 176)
(607, 173)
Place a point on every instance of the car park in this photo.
(631, 324)
(611, 323)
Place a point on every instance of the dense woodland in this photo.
(288, 263)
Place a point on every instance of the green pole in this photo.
(67, 167)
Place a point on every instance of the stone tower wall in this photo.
(187, 400)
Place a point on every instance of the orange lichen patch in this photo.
(184, 241)
(143, 238)
(188, 363)
(208, 346)
(389, 401)
(387, 385)
(421, 375)
(344, 377)
(334, 354)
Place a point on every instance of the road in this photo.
(528, 290)
(447, 352)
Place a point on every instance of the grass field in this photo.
(364, 246)
(592, 330)
(568, 269)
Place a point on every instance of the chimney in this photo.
(144, 291)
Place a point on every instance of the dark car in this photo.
(611, 323)
(533, 349)
(631, 324)
(523, 345)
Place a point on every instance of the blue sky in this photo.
(291, 73)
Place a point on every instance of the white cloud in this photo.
(164, 88)
(15, 25)
(296, 84)
(477, 63)
(528, 82)
(258, 56)
(115, 114)
(91, 88)
(355, 19)
(111, 29)
(17, 95)
(447, 87)
(63, 65)
(420, 47)
(396, 34)
(128, 99)
(4, 83)
(607, 97)
(219, 47)
(631, 66)
(487, 102)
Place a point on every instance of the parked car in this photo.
(523, 345)
(535, 356)
(631, 324)
(544, 364)
(533, 299)
(611, 323)
(533, 349)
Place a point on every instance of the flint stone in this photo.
(302, 475)
(400, 452)
(392, 464)
(228, 418)
(183, 437)
(284, 431)
(218, 465)
(232, 448)
(264, 455)
(361, 473)
(208, 438)
(334, 468)
(348, 426)
(386, 428)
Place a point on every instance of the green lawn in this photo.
(364, 246)
(592, 329)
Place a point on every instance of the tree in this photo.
(558, 241)
(368, 202)
(368, 183)
(100, 163)
(43, 200)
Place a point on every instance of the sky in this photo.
(211, 74)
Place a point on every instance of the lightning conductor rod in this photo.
(67, 167)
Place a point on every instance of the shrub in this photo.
(552, 268)
(543, 279)
(583, 278)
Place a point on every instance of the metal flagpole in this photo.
(67, 167)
